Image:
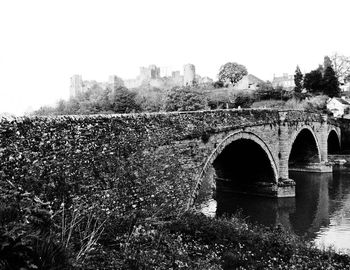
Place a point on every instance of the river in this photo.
(320, 212)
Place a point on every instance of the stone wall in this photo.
(126, 162)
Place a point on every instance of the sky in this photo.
(44, 42)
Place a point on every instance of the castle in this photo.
(79, 86)
(151, 76)
(156, 77)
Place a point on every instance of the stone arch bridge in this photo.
(167, 157)
(256, 159)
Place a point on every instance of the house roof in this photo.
(254, 79)
(342, 101)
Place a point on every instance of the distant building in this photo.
(147, 74)
(150, 72)
(175, 74)
(205, 80)
(338, 106)
(76, 85)
(248, 82)
(189, 74)
(164, 71)
(151, 76)
(286, 81)
(344, 86)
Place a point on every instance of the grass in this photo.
(194, 241)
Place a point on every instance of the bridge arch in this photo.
(250, 140)
(333, 141)
(304, 147)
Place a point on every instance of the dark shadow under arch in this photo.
(242, 163)
(304, 149)
(333, 143)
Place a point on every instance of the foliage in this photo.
(327, 62)
(123, 101)
(330, 83)
(298, 80)
(316, 104)
(232, 72)
(150, 99)
(138, 241)
(323, 80)
(269, 103)
(341, 66)
(194, 241)
(218, 84)
(185, 99)
(28, 238)
(80, 231)
(35, 236)
(266, 91)
(242, 99)
(94, 101)
(313, 104)
(313, 81)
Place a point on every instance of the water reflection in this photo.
(320, 211)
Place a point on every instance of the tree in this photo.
(313, 81)
(327, 62)
(151, 100)
(243, 100)
(122, 100)
(341, 66)
(185, 99)
(232, 72)
(218, 84)
(298, 80)
(330, 83)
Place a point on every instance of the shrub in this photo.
(28, 238)
(185, 99)
(275, 104)
(317, 104)
(242, 99)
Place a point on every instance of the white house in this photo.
(248, 82)
(286, 81)
(338, 106)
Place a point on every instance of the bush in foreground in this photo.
(194, 241)
(34, 236)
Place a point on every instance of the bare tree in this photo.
(341, 66)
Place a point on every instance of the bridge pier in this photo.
(281, 189)
(285, 187)
(321, 167)
(324, 140)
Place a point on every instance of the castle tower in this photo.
(154, 72)
(76, 85)
(189, 74)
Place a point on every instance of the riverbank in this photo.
(194, 241)
(33, 236)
